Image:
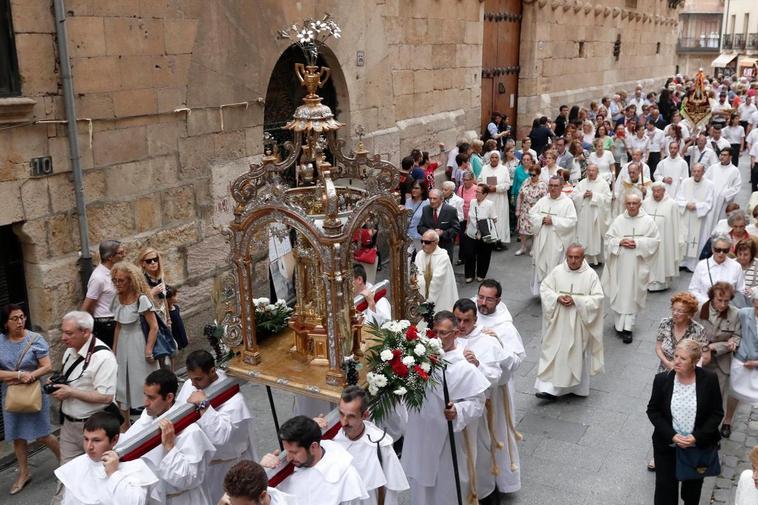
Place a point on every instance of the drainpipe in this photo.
(85, 259)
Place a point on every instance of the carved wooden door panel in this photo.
(500, 58)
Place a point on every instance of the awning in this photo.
(723, 60)
(747, 62)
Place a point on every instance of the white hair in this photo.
(83, 320)
(448, 185)
(435, 191)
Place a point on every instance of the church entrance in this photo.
(500, 58)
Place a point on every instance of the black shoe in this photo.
(726, 430)
(627, 338)
(620, 333)
(459, 263)
(546, 396)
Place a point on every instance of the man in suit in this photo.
(442, 218)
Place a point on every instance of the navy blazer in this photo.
(447, 221)
(709, 413)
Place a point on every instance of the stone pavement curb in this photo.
(734, 456)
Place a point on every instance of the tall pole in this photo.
(85, 261)
(451, 436)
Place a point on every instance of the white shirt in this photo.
(383, 312)
(728, 271)
(100, 288)
(643, 144)
(721, 143)
(733, 134)
(603, 164)
(456, 202)
(707, 156)
(657, 138)
(100, 376)
(746, 111)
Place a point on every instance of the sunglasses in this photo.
(720, 250)
(151, 260)
(427, 242)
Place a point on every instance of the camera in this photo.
(56, 379)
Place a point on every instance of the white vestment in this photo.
(572, 335)
(675, 168)
(230, 430)
(436, 279)
(387, 473)
(550, 241)
(86, 483)
(627, 271)
(503, 404)
(593, 216)
(708, 272)
(499, 198)
(726, 181)
(427, 459)
(624, 174)
(626, 187)
(332, 481)
(706, 157)
(665, 265)
(692, 222)
(383, 312)
(182, 470)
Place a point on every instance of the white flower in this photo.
(409, 361)
(435, 344)
(386, 355)
(372, 389)
(403, 324)
(425, 366)
(270, 307)
(376, 380)
(400, 391)
(281, 303)
(263, 301)
(419, 350)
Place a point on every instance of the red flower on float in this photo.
(421, 373)
(411, 333)
(400, 369)
(430, 333)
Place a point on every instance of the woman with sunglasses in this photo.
(718, 267)
(24, 359)
(150, 261)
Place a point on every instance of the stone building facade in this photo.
(171, 97)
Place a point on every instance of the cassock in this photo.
(426, 456)
(86, 483)
(503, 404)
(572, 337)
(490, 354)
(627, 187)
(593, 216)
(499, 198)
(332, 481)
(436, 279)
(726, 181)
(550, 241)
(692, 223)
(627, 271)
(230, 430)
(383, 312)
(665, 264)
(182, 470)
(676, 168)
(387, 473)
(624, 174)
(708, 272)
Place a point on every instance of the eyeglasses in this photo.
(488, 299)
(119, 281)
(427, 242)
(17, 318)
(720, 250)
(151, 260)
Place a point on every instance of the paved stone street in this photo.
(575, 451)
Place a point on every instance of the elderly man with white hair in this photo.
(664, 210)
(695, 200)
(450, 198)
(719, 267)
(435, 276)
(496, 176)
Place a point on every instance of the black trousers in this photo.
(754, 177)
(735, 155)
(104, 329)
(476, 257)
(652, 162)
(666, 485)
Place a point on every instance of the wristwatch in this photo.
(202, 405)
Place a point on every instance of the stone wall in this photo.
(159, 86)
(567, 52)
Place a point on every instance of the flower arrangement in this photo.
(270, 318)
(402, 366)
(311, 35)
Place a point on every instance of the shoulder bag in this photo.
(165, 345)
(486, 228)
(24, 398)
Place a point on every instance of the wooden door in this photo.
(500, 58)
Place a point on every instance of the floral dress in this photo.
(668, 341)
(527, 197)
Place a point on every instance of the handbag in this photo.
(24, 398)
(695, 463)
(486, 228)
(366, 253)
(165, 345)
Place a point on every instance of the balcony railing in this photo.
(703, 44)
(739, 41)
(752, 41)
(726, 41)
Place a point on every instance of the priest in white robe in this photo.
(497, 176)
(494, 316)
(695, 200)
(378, 311)
(435, 276)
(181, 460)
(365, 441)
(592, 199)
(726, 181)
(665, 212)
(97, 477)
(484, 350)
(246, 482)
(427, 457)
(624, 172)
(632, 184)
(553, 220)
(630, 246)
(324, 472)
(229, 428)
(672, 169)
(572, 328)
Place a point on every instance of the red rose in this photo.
(411, 333)
(421, 373)
(431, 333)
(399, 368)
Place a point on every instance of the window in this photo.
(581, 49)
(10, 83)
(657, 48)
